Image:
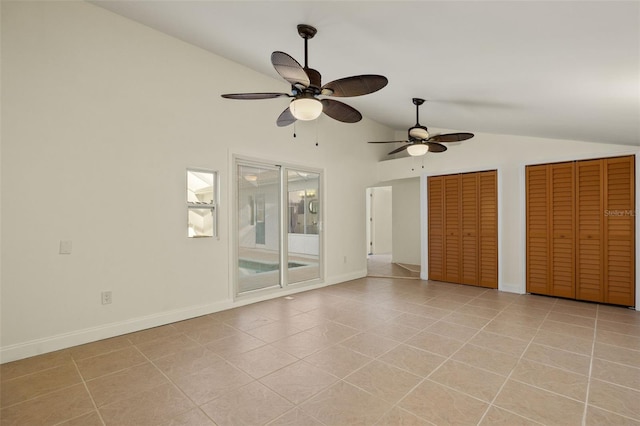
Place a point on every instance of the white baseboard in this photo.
(512, 288)
(346, 277)
(87, 335)
(92, 334)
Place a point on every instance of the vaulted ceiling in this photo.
(554, 69)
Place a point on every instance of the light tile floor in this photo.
(370, 351)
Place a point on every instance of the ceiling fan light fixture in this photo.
(306, 109)
(419, 132)
(417, 149)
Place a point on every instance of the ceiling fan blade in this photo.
(436, 147)
(249, 96)
(402, 148)
(389, 142)
(285, 118)
(340, 111)
(355, 86)
(451, 137)
(289, 69)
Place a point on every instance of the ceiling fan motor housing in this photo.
(418, 132)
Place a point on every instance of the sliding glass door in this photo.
(303, 219)
(279, 224)
(258, 219)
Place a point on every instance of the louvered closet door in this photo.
(488, 229)
(538, 190)
(562, 256)
(469, 203)
(452, 228)
(435, 187)
(589, 231)
(619, 231)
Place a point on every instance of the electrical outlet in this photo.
(106, 298)
(65, 247)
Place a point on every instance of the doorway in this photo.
(380, 215)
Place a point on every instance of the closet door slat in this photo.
(488, 229)
(619, 231)
(435, 190)
(562, 230)
(538, 206)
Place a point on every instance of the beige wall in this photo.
(406, 223)
(101, 117)
(382, 218)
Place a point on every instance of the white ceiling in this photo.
(559, 69)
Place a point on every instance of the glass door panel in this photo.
(259, 219)
(303, 221)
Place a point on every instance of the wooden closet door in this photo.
(619, 231)
(469, 204)
(562, 252)
(452, 228)
(589, 230)
(435, 188)
(538, 204)
(488, 229)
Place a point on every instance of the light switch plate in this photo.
(65, 247)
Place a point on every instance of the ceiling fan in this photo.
(420, 141)
(306, 86)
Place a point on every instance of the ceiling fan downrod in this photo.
(306, 32)
(417, 102)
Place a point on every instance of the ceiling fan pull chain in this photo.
(317, 132)
(294, 129)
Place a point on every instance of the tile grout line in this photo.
(369, 302)
(175, 385)
(376, 358)
(426, 378)
(84, 383)
(492, 403)
(593, 350)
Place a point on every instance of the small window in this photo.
(201, 203)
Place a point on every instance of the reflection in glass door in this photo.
(303, 221)
(258, 219)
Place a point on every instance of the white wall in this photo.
(381, 219)
(101, 117)
(509, 155)
(406, 221)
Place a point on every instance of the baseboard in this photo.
(512, 288)
(346, 277)
(88, 335)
